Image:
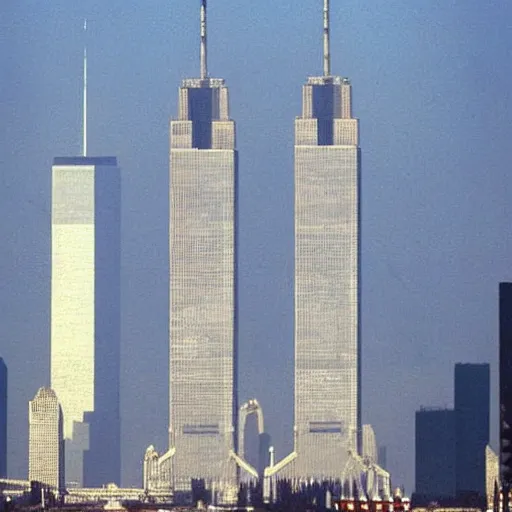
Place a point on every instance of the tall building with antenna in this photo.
(327, 275)
(203, 284)
(86, 310)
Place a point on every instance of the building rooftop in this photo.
(85, 160)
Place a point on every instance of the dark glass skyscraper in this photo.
(472, 410)
(435, 454)
(3, 419)
(203, 285)
(505, 314)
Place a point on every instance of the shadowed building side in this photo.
(383, 457)
(505, 391)
(472, 411)
(102, 463)
(435, 455)
(3, 419)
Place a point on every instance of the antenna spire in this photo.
(327, 50)
(84, 128)
(204, 54)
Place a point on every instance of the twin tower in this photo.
(204, 281)
(204, 286)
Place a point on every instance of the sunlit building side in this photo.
(85, 314)
(46, 443)
(492, 476)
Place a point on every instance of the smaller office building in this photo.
(46, 442)
(435, 454)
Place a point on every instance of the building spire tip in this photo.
(84, 127)
(327, 49)
(204, 50)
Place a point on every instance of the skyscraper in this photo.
(46, 445)
(3, 419)
(505, 380)
(472, 410)
(85, 314)
(86, 310)
(203, 282)
(327, 260)
(435, 455)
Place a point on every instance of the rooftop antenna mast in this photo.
(84, 128)
(327, 50)
(204, 54)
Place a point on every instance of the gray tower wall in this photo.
(327, 280)
(203, 287)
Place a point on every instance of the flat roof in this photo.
(85, 160)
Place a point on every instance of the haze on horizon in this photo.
(431, 90)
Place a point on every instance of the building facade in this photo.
(435, 455)
(472, 411)
(85, 314)
(505, 384)
(370, 449)
(46, 441)
(492, 477)
(327, 277)
(3, 419)
(203, 281)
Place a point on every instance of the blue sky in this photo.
(432, 90)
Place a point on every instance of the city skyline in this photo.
(411, 369)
